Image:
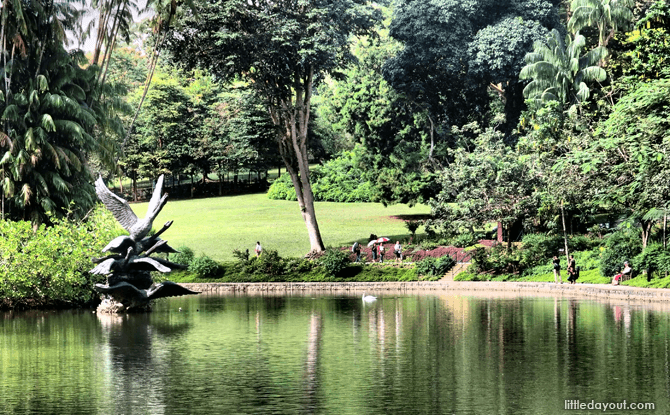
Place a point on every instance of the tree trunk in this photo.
(135, 186)
(102, 29)
(509, 238)
(665, 226)
(646, 231)
(565, 235)
(293, 118)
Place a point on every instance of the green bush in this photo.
(282, 189)
(49, 267)
(436, 267)
(537, 248)
(586, 261)
(464, 240)
(337, 180)
(583, 243)
(268, 264)
(334, 261)
(241, 255)
(655, 260)
(497, 260)
(412, 226)
(468, 275)
(622, 245)
(184, 257)
(298, 265)
(204, 267)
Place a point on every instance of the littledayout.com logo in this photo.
(607, 406)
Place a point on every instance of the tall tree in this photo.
(489, 183)
(48, 130)
(607, 16)
(559, 71)
(283, 48)
(454, 50)
(627, 165)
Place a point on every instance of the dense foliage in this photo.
(338, 180)
(49, 267)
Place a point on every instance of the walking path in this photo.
(603, 291)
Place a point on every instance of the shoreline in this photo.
(545, 289)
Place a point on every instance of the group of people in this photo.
(378, 251)
(573, 270)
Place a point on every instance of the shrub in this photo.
(435, 266)
(298, 265)
(622, 245)
(426, 266)
(269, 263)
(184, 256)
(241, 256)
(464, 240)
(282, 189)
(444, 264)
(538, 247)
(337, 180)
(497, 260)
(583, 243)
(204, 267)
(334, 261)
(49, 267)
(412, 226)
(654, 259)
(468, 275)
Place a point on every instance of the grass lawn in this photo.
(216, 226)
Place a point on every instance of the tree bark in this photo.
(565, 235)
(293, 119)
(665, 226)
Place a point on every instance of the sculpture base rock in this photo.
(110, 306)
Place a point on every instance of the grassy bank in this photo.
(354, 273)
(216, 226)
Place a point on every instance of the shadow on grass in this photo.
(417, 216)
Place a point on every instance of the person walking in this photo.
(397, 250)
(374, 252)
(572, 270)
(557, 270)
(258, 249)
(381, 253)
(356, 249)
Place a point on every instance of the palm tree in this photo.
(559, 72)
(48, 131)
(607, 15)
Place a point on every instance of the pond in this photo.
(318, 353)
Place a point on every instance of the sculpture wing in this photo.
(121, 291)
(147, 264)
(156, 202)
(120, 244)
(119, 207)
(170, 264)
(168, 289)
(103, 268)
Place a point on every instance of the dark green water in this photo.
(415, 354)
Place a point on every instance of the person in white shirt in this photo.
(397, 250)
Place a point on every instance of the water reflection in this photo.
(326, 354)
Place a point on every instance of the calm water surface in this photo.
(415, 354)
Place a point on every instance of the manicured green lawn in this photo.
(216, 226)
